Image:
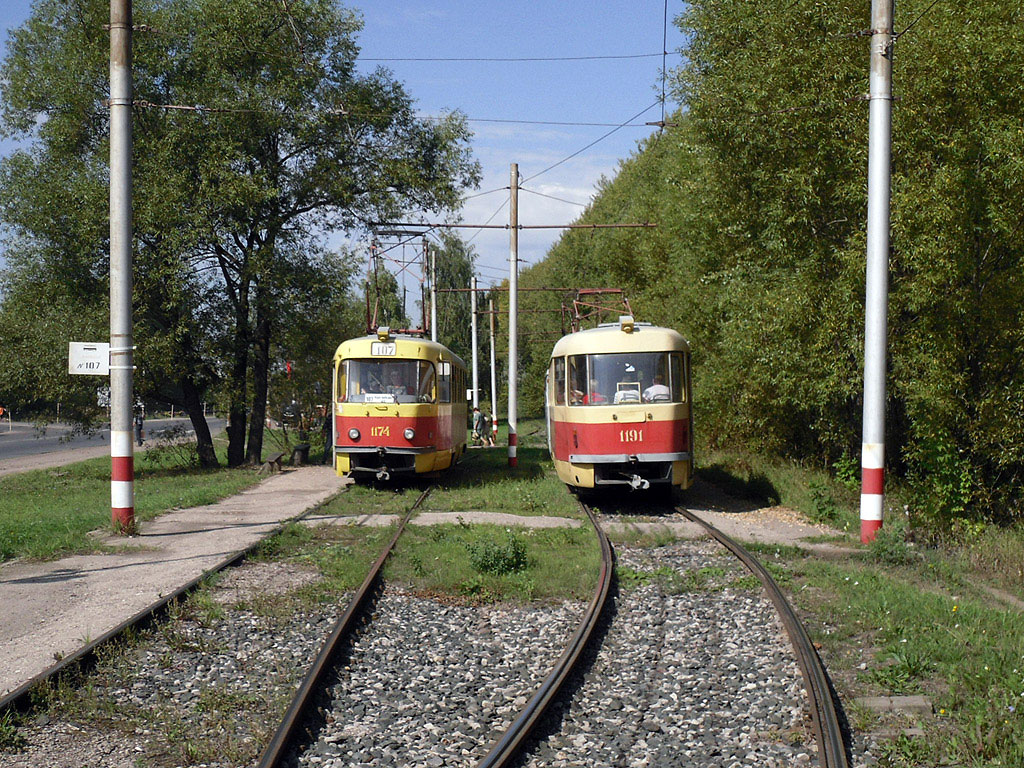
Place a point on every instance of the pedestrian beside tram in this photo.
(480, 424)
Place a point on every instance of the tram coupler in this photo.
(383, 475)
(636, 482)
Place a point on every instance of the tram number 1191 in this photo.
(631, 435)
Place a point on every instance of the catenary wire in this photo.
(588, 146)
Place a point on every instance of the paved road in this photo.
(23, 447)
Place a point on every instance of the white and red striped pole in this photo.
(513, 308)
(122, 480)
(876, 299)
(872, 493)
(122, 461)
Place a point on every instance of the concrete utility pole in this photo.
(433, 289)
(476, 361)
(122, 456)
(876, 303)
(494, 375)
(513, 308)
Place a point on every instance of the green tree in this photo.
(759, 193)
(280, 139)
(454, 264)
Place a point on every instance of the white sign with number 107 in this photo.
(88, 359)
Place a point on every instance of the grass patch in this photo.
(48, 513)
(486, 482)
(768, 482)
(906, 629)
(488, 563)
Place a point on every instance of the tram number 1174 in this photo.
(380, 431)
(631, 435)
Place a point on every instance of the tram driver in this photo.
(657, 391)
(395, 384)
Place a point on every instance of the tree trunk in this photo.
(204, 441)
(237, 409)
(260, 374)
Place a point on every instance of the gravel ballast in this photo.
(688, 673)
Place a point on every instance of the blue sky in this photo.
(545, 95)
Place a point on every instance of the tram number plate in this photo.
(380, 431)
(383, 348)
(631, 435)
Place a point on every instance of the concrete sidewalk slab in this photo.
(49, 610)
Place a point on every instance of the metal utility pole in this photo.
(122, 457)
(476, 362)
(513, 308)
(494, 375)
(433, 289)
(876, 303)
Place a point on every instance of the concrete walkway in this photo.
(49, 610)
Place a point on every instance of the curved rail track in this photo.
(506, 747)
(294, 729)
(824, 718)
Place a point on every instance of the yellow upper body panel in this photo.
(611, 337)
(384, 346)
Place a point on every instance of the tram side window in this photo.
(558, 380)
(459, 385)
(444, 382)
(577, 379)
(677, 378)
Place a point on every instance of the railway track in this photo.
(824, 717)
(694, 671)
(683, 676)
(307, 722)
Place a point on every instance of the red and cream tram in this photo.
(618, 407)
(399, 406)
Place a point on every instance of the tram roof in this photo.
(613, 337)
(408, 347)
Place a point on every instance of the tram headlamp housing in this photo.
(409, 433)
(353, 434)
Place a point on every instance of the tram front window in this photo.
(386, 381)
(634, 377)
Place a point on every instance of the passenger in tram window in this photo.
(575, 385)
(593, 397)
(395, 386)
(657, 392)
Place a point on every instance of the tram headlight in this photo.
(353, 434)
(409, 433)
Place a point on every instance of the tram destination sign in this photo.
(88, 359)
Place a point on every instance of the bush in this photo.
(499, 558)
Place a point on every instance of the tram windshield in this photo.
(626, 377)
(386, 381)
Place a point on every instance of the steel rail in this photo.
(832, 749)
(507, 746)
(20, 699)
(291, 726)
